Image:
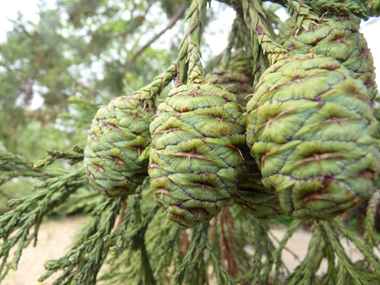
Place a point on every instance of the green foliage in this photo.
(128, 239)
(29, 211)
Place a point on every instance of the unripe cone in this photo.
(237, 78)
(311, 130)
(254, 197)
(339, 38)
(195, 162)
(118, 134)
(251, 194)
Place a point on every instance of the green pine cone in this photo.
(195, 162)
(118, 134)
(311, 129)
(254, 197)
(241, 62)
(237, 78)
(339, 38)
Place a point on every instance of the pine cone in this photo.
(311, 129)
(237, 78)
(195, 162)
(118, 134)
(339, 38)
(251, 194)
(254, 197)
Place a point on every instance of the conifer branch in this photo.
(189, 56)
(192, 257)
(103, 236)
(150, 91)
(302, 13)
(89, 251)
(16, 224)
(343, 8)
(305, 273)
(371, 258)
(373, 7)
(56, 154)
(306, 12)
(222, 275)
(345, 266)
(332, 270)
(170, 25)
(369, 225)
(226, 55)
(262, 244)
(267, 266)
(188, 46)
(254, 275)
(13, 165)
(84, 200)
(94, 92)
(129, 245)
(239, 37)
(163, 241)
(255, 17)
(195, 258)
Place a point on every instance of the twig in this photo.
(227, 244)
(285, 248)
(170, 25)
(185, 244)
(140, 18)
(88, 88)
(121, 216)
(56, 154)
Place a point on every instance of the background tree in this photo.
(83, 52)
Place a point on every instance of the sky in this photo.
(9, 10)
(29, 8)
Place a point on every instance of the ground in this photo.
(55, 238)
